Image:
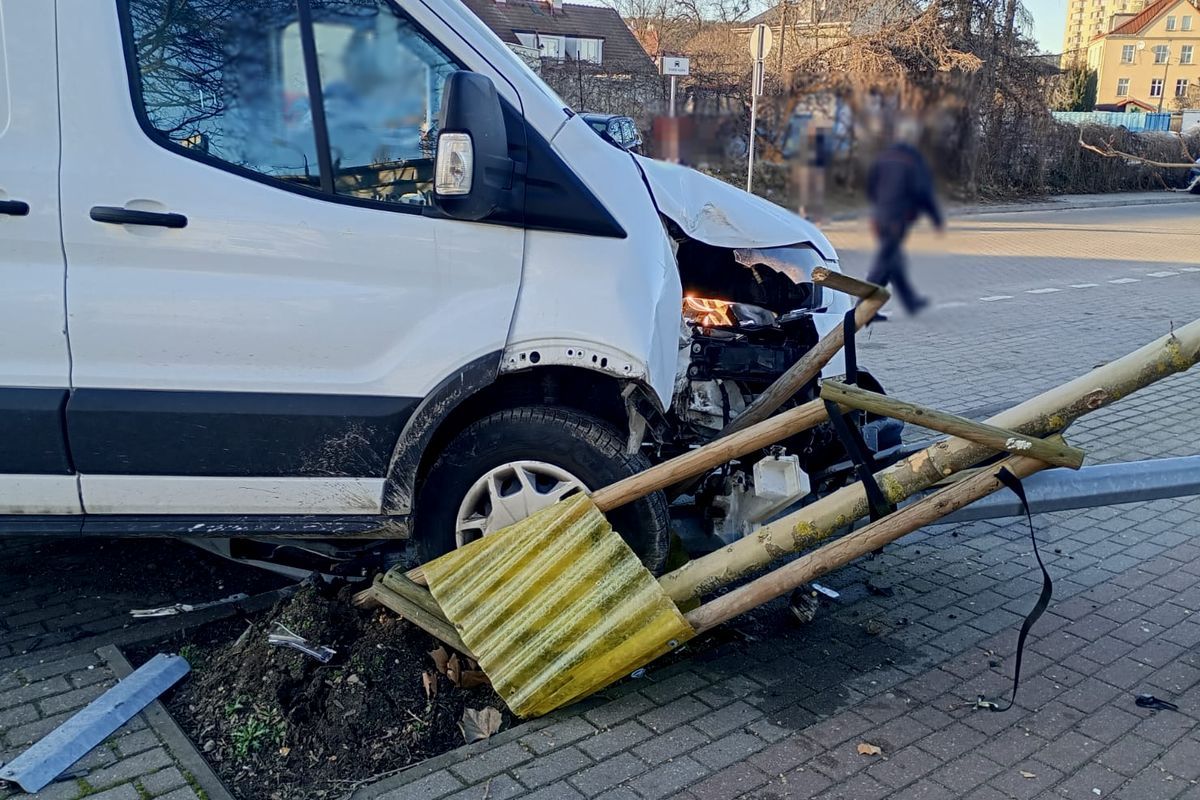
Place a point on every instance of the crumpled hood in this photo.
(711, 211)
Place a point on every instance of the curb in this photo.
(1068, 205)
(169, 732)
(1103, 201)
(150, 631)
(429, 766)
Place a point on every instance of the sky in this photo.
(1049, 20)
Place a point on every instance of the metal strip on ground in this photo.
(34, 769)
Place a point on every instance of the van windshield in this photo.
(509, 57)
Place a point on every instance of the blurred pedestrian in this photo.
(812, 204)
(900, 188)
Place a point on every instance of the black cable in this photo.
(1039, 608)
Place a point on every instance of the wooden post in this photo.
(1047, 413)
(713, 454)
(435, 626)
(696, 462)
(418, 595)
(1059, 455)
(870, 538)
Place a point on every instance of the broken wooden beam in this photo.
(435, 625)
(1059, 455)
(1047, 413)
(823, 560)
(715, 453)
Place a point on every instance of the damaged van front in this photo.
(704, 301)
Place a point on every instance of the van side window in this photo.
(227, 80)
(382, 83)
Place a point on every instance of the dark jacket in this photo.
(900, 187)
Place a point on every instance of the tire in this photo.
(584, 446)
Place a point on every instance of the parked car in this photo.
(281, 277)
(1194, 178)
(621, 131)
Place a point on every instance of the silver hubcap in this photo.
(510, 493)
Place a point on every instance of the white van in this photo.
(346, 269)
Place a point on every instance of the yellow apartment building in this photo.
(1149, 60)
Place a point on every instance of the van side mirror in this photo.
(472, 171)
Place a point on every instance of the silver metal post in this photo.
(758, 65)
(673, 79)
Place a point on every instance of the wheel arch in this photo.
(480, 389)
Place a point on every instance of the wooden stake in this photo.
(696, 462)
(1042, 415)
(713, 454)
(436, 627)
(870, 538)
(841, 282)
(418, 595)
(365, 599)
(1059, 455)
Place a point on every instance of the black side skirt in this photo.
(233, 434)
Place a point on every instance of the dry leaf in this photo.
(429, 681)
(440, 659)
(454, 670)
(480, 723)
(867, 749)
(283, 751)
(473, 678)
(1025, 774)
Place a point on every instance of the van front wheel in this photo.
(510, 464)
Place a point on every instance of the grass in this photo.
(192, 654)
(250, 732)
(195, 784)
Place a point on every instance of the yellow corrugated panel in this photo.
(555, 607)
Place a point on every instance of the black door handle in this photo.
(14, 208)
(116, 215)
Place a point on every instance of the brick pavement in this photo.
(776, 711)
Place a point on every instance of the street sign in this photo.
(673, 65)
(760, 46)
(761, 40)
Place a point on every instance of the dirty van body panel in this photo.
(234, 434)
(433, 411)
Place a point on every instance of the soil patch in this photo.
(279, 725)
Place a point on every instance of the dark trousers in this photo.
(890, 265)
